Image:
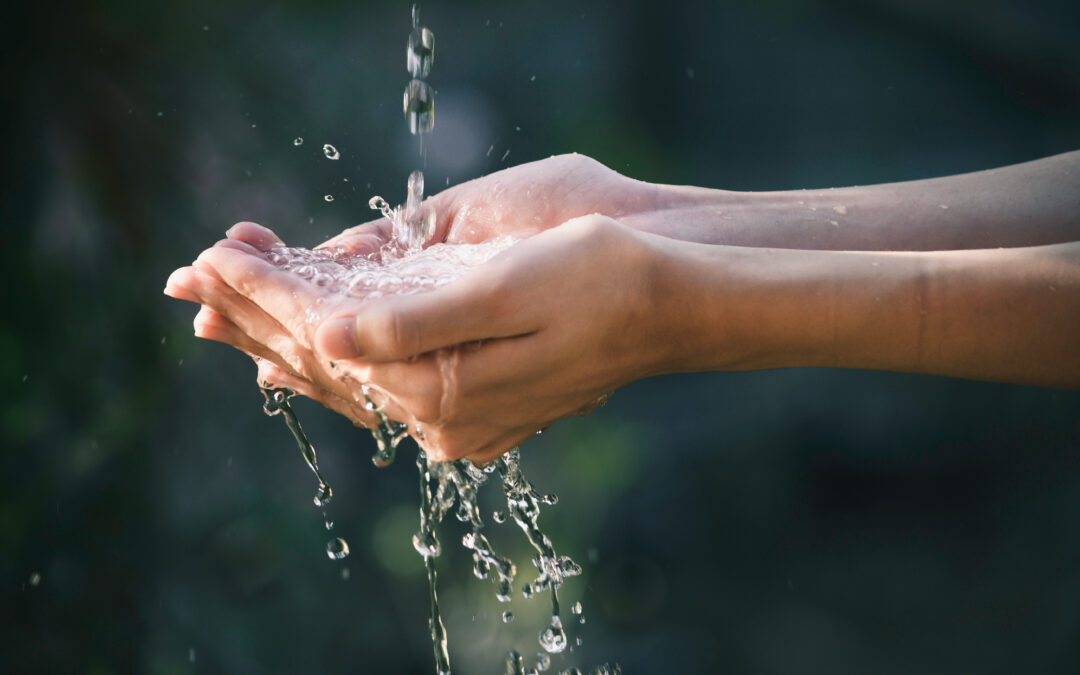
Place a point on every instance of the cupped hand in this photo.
(521, 201)
(543, 331)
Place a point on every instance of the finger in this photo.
(254, 234)
(362, 239)
(180, 283)
(280, 295)
(459, 381)
(397, 328)
(500, 446)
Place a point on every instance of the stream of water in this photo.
(405, 266)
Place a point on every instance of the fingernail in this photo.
(336, 338)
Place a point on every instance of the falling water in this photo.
(404, 266)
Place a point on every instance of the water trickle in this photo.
(404, 266)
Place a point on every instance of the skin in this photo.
(972, 276)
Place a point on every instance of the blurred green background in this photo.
(804, 521)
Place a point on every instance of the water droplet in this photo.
(578, 641)
(527, 591)
(345, 574)
(507, 617)
(328, 198)
(943, 207)
(298, 141)
(543, 661)
(329, 524)
(419, 106)
(505, 155)
(576, 608)
(324, 495)
(420, 52)
(35, 578)
(191, 652)
(841, 209)
(498, 517)
(553, 639)
(331, 152)
(550, 499)
(337, 548)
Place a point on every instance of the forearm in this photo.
(1028, 204)
(1008, 315)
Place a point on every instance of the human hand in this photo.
(540, 332)
(521, 201)
(543, 331)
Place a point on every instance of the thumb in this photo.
(400, 327)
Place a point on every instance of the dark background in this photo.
(806, 521)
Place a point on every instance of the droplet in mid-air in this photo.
(324, 495)
(420, 52)
(298, 141)
(543, 661)
(336, 548)
(553, 639)
(329, 198)
(576, 608)
(419, 106)
(507, 617)
(330, 151)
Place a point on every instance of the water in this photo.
(277, 403)
(404, 266)
(419, 107)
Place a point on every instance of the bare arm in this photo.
(1001, 314)
(1028, 204)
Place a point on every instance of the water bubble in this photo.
(328, 198)
(331, 153)
(337, 548)
(420, 52)
(553, 639)
(576, 608)
(299, 140)
(419, 107)
(543, 661)
(507, 617)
